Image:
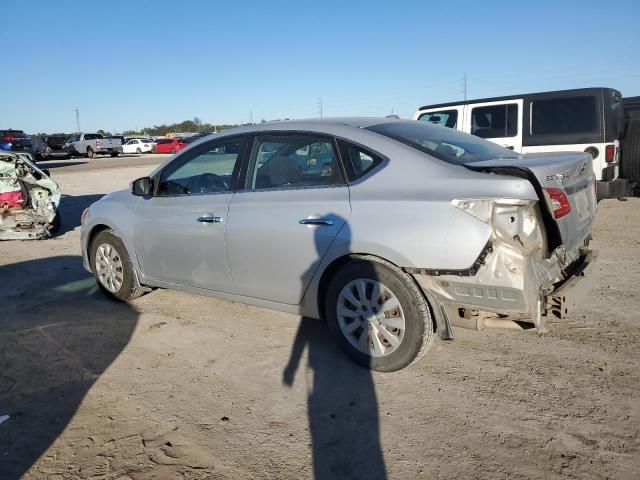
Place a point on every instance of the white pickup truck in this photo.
(92, 144)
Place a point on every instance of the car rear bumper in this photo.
(570, 293)
(512, 291)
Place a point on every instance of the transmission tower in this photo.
(320, 106)
(78, 120)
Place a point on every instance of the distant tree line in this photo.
(195, 125)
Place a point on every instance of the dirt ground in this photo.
(177, 386)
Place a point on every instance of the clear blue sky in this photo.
(138, 63)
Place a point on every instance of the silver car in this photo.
(391, 230)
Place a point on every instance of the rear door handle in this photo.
(209, 219)
(316, 221)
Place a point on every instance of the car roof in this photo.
(309, 124)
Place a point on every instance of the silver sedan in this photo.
(391, 230)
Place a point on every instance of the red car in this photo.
(170, 145)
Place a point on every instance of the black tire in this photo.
(128, 290)
(115, 154)
(90, 153)
(419, 331)
(631, 152)
(138, 151)
(173, 150)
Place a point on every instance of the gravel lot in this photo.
(176, 386)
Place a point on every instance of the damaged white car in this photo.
(29, 199)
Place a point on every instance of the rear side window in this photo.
(293, 161)
(564, 116)
(446, 118)
(357, 161)
(495, 121)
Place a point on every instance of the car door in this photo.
(281, 225)
(129, 147)
(499, 122)
(180, 231)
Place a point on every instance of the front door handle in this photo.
(316, 221)
(209, 219)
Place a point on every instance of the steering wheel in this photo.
(209, 182)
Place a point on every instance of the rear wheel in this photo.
(112, 267)
(378, 315)
(115, 154)
(138, 151)
(631, 152)
(91, 153)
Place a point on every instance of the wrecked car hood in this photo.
(29, 199)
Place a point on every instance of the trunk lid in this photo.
(571, 173)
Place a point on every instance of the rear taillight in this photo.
(97, 143)
(8, 138)
(610, 153)
(146, 146)
(559, 201)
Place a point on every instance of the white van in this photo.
(587, 120)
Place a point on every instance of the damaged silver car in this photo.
(391, 230)
(29, 199)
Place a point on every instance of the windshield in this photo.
(442, 142)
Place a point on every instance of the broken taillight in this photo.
(559, 201)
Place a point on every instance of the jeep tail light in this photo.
(610, 153)
(559, 201)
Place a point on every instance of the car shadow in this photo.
(54, 348)
(342, 406)
(71, 208)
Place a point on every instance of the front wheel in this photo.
(378, 315)
(112, 267)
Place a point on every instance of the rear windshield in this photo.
(444, 143)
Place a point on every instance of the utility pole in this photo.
(464, 85)
(251, 117)
(320, 106)
(78, 120)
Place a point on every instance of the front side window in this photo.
(562, 116)
(209, 169)
(495, 121)
(293, 161)
(446, 118)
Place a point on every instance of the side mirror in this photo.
(142, 187)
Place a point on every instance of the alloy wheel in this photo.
(108, 266)
(370, 317)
